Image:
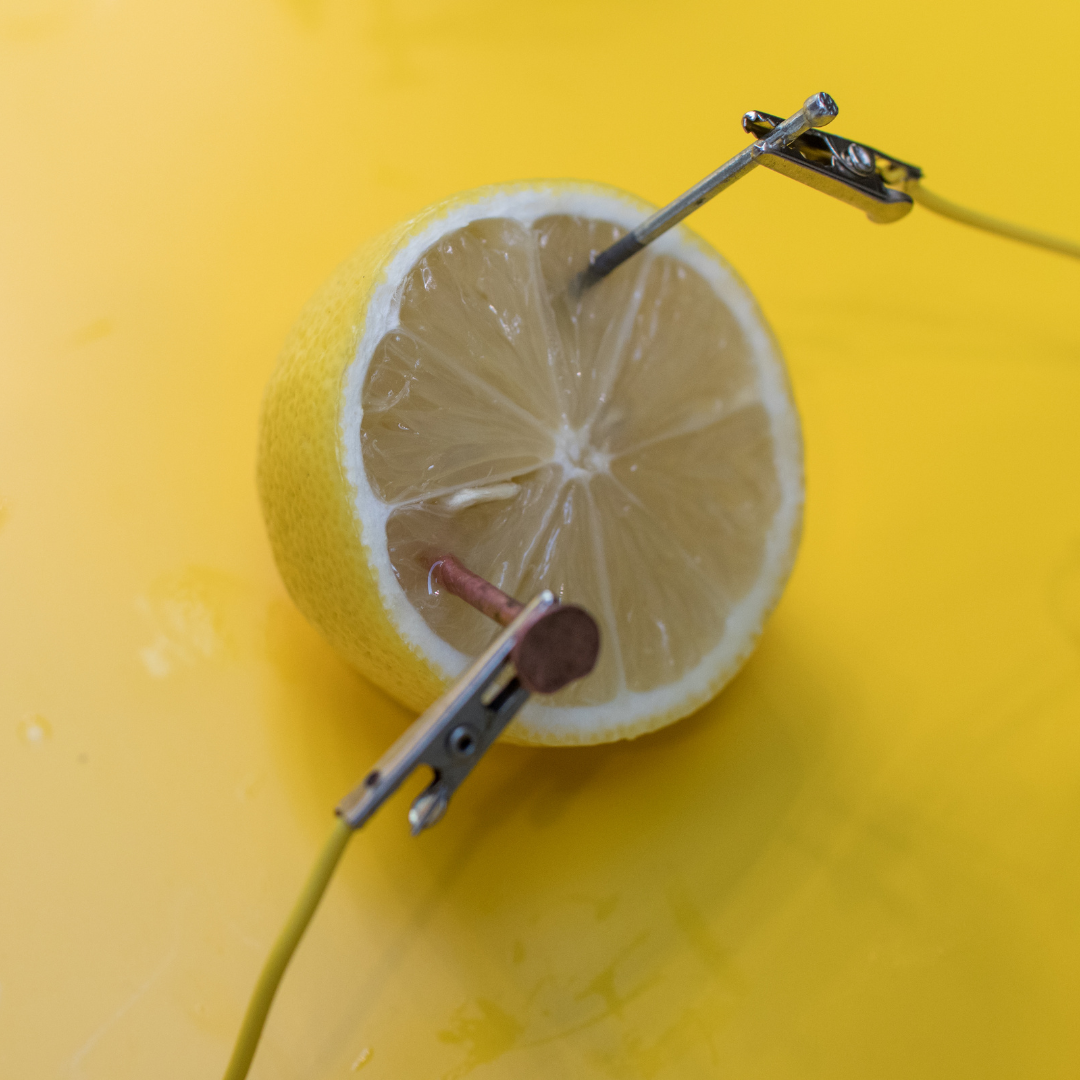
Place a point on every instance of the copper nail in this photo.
(488, 599)
(554, 650)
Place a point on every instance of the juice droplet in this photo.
(34, 730)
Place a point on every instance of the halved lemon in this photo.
(635, 449)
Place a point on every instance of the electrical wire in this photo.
(262, 997)
(982, 221)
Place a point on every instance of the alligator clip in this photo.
(545, 646)
(852, 172)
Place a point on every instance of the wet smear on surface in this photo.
(607, 987)
(362, 1059)
(193, 616)
(35, 730)
(691, 921)
(487, 1036)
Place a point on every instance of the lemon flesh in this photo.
(635, 449)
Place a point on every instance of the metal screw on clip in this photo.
(861, 160)
(545, 646)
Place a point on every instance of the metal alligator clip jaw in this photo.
(849, 171)
(545, 646)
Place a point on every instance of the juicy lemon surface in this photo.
(635, 449)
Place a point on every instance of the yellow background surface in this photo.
(861, 861)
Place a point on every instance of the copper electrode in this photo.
(559, 647)
(488, 599)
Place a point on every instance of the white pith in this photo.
(629, 712)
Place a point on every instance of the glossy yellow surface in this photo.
(859, 862)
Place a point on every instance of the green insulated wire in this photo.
(262, 997)
(982, 221)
